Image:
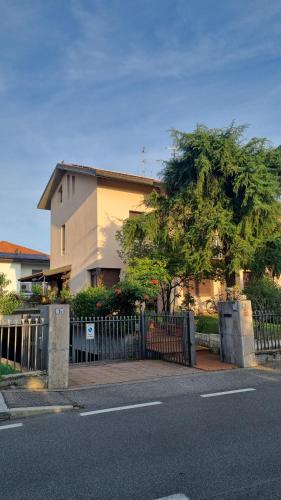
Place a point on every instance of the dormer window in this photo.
(60, 194)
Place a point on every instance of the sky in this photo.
(93, 82)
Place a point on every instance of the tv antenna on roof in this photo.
(174, 150)
(143, 161)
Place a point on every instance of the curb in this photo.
(31, 411)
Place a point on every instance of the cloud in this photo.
(93, 81)
(99, 57)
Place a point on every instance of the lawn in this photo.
(207, 324)
(6, 370)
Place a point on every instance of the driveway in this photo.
(129, 371)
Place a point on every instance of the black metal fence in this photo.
(24, 344)
(167, 337)
(267, 330)
(149, 336)
(104, 339)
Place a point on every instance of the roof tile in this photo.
(12, 248)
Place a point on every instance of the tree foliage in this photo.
(223, 197)
(4, 283)
(265, 294)
(218, 210)
(9, 301)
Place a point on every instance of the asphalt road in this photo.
(222, 447)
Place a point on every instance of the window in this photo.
(106, 277)
(60, 194)
(133, 213)
(63, 239)
(73, 185)
(68, 186)
(35, 271)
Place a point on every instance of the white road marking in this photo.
(177, 496)
(120, 408)
(226, 392)
(10, 426)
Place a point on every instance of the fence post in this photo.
(58, 346)
(189, 337)
(237, 333)
(142, 335)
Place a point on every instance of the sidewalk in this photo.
(129, 371)
(102, 375)
(120, 372)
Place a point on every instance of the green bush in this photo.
(124, 297)
(264, 293)
(207, 324)
(9, 302)
(92, 302)
(6, 370)
(66, 296)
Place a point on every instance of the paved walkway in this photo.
(210, 362)
(113, 373)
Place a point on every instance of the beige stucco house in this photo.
(88, 206)
(17, 261)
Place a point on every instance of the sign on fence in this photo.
(90, 331)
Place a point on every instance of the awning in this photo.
(56, 271)
(48, 275)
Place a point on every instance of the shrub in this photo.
(66, 296)
(207, 324)
(9, 302)
(122, 299)
(92, 302)
(264, 293)
(125, 297)
(4, 283)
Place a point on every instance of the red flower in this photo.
(99, 304)
(117, 291)
(154, 282)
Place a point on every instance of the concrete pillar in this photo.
(58, 346)
(189, 338)
(237, 333)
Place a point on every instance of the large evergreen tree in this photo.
(218, 210)
(222, 193)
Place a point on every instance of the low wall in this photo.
(4, 318)
(268, 357)
(27, 380)
(209, 340)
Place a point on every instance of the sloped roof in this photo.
(10, 250)
(62, 168)
(8, 247)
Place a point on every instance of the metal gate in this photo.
(167, 337)
(153, 336)
(104, 339)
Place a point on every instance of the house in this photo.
(17, 261)
(88, 206)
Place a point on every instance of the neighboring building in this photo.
(88, 206)
(17, 261)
